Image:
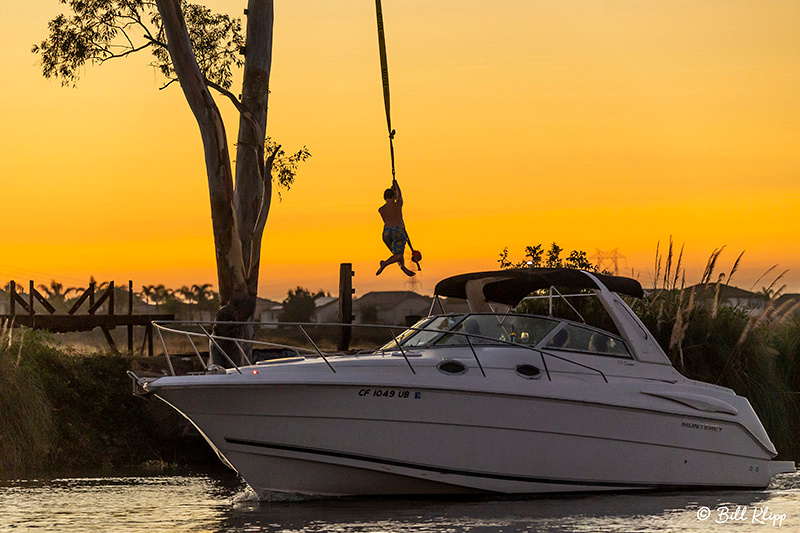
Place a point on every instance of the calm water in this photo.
(222, 504)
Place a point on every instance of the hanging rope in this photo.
(416, 256)
(385, 79)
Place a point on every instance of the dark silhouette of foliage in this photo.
(533, 259)
(100, 30)
(299, 305)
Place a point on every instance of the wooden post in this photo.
(12, 292)
(346, 291)
(109, 339)
(149, 335)
(130, 312)
(30, 300)
(144, 342)
(91, 297)
(42, 300)
(110, 291)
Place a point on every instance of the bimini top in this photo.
(509, 287)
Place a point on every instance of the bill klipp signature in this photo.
(741, 513)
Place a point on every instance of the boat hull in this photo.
(361, 439)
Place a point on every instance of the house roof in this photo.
(264, 304)
(325, 300)
(389, 299)
(708, 290)
(451, 305)
(790, 297)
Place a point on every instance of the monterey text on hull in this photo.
(478, 401)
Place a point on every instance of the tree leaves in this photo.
(299, 305)
(533, 259)
(284, 167)
(96, 31)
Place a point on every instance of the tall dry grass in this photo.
(65, 411)
(26, 426)
(752, 349)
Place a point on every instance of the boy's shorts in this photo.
(394, 237)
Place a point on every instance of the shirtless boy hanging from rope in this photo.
(394, 229)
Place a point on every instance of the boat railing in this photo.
(205, 332)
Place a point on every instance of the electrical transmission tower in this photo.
(609, 260)
(413, 284)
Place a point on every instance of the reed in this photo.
(27, 424)
(67, 411)
(752, 350)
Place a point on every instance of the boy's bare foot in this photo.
(383, 265)
(407, 272)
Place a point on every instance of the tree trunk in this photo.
(230, 265)
(237, 303)
(253, 192)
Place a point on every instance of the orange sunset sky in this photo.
(595, 124)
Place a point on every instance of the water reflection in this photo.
(590, 513)
(215, 504)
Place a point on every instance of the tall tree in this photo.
(199, 49)
(299, 305)
(55, 293)
(156, 295)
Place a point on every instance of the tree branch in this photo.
(239, 106)
(170, 82)
(261, 219)
(263, 211)
(112, 55)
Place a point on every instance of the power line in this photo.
(14, 272)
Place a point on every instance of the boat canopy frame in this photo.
(510, 287)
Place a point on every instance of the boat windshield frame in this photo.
(434, 336)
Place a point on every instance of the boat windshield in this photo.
(584, 339)
(432, 328)
(403, 337)
(499, 329)
(451, 330)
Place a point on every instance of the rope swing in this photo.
(385, 79)
(416, 255)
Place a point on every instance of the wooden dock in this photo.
(74, 322)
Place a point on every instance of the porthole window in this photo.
(528, 371)
(452, 367)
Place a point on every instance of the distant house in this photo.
(391, 307)
(728, 295)
(268, 310)
(443, 306)
(788, 302)
(752, 302)
(327, 309)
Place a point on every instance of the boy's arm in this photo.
(398, 195)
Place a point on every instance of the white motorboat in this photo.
(480, 401)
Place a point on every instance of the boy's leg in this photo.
(395, 239)
(402, 264)
(386, 263)
(388, 241)
(398, 248)
(406, 271)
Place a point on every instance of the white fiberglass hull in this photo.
(358, 439)
(481, 401)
